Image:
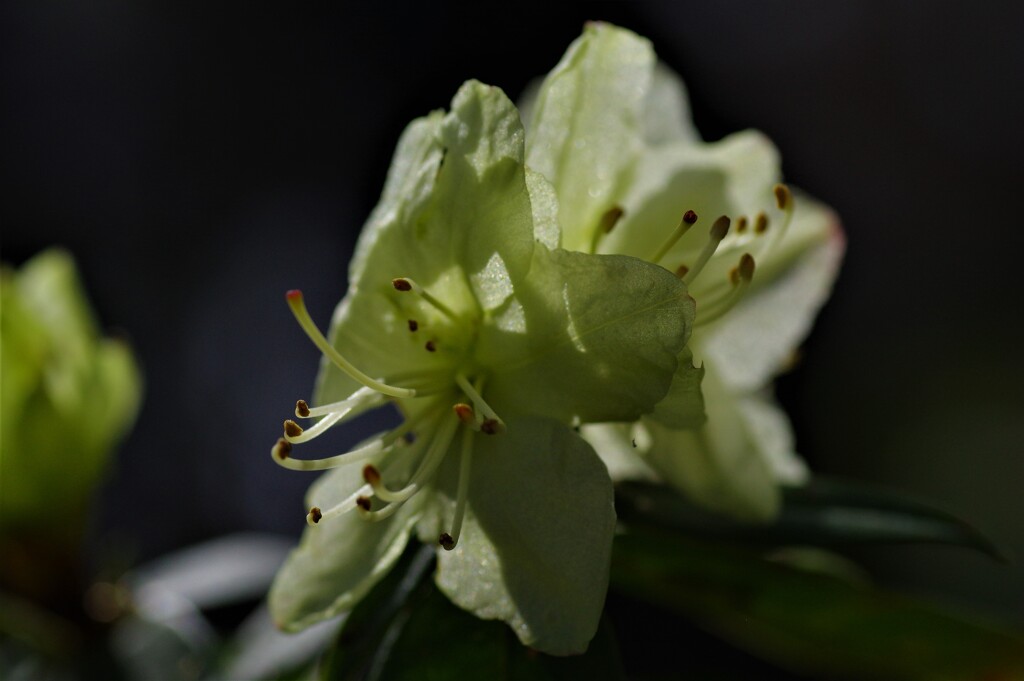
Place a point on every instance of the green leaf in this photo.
(828, 513)
(368, 623)
(808, 623)
(429, 638)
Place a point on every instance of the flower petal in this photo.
(683, 405)
(455, 216)
(585, 131)
(536, 541)
(733, 177)
(723, 465)
(756, 339)
(597, 338)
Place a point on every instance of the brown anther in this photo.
(302, 409)
(292, 429)
(689, 217)
(431, 346)
(446, 541)
(363, 503)
(282, 449)
(681, 271)
(371, 475)
(720, 229)
(464, 412)
(746, 267)
(782, 196)
(734, 275)
(610, 218)
(741, 224)
(414, 325)
(491, 426)
(401, 284)
(761, 223)
(315, 515)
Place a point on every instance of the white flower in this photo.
(609, 129)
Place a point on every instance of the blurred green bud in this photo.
(67, 395)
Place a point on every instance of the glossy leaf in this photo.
(806, 622)
(822, 513)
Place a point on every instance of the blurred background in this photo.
(200, 160)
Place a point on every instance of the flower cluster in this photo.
(515, 289)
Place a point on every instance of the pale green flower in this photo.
(491, 344)
(610, 130)
(67, 396)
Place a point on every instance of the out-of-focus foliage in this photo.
(67, 394)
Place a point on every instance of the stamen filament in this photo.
(715, 309)
(281, 454)
(449, 540)
(305, 435)
(718, 232)
(687, 221)
(407, 284)
(432, 459)
(298, 306)
(342, 507)
(492, 423)
(362, 397)
(380, 514)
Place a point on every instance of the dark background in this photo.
(201, 160)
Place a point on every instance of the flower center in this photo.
(717, 296)
(419, 444)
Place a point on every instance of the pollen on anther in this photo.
(782, 196)
(292, 429)
(413, 325)
(720, 229)
(464, 412)
(446, 541)
(315, 515)
(491, 426)
(681, 271)
(302, 409)
(689, 217)
(761, 223)
(282, 449)
(611, 218)
(741, 224)
(363, 503)
(431, 346)
(401, 284)
(746, 267)
(371, 475)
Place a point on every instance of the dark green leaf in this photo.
(824, 513)
(407, 629)
(438, 641)
(368, 623)
(806, 622)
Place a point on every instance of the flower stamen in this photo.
(449, 540)
(298, 306)
(407, 284)
(740, 277)
(716, 234)
(492, 423)
(685, 223)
